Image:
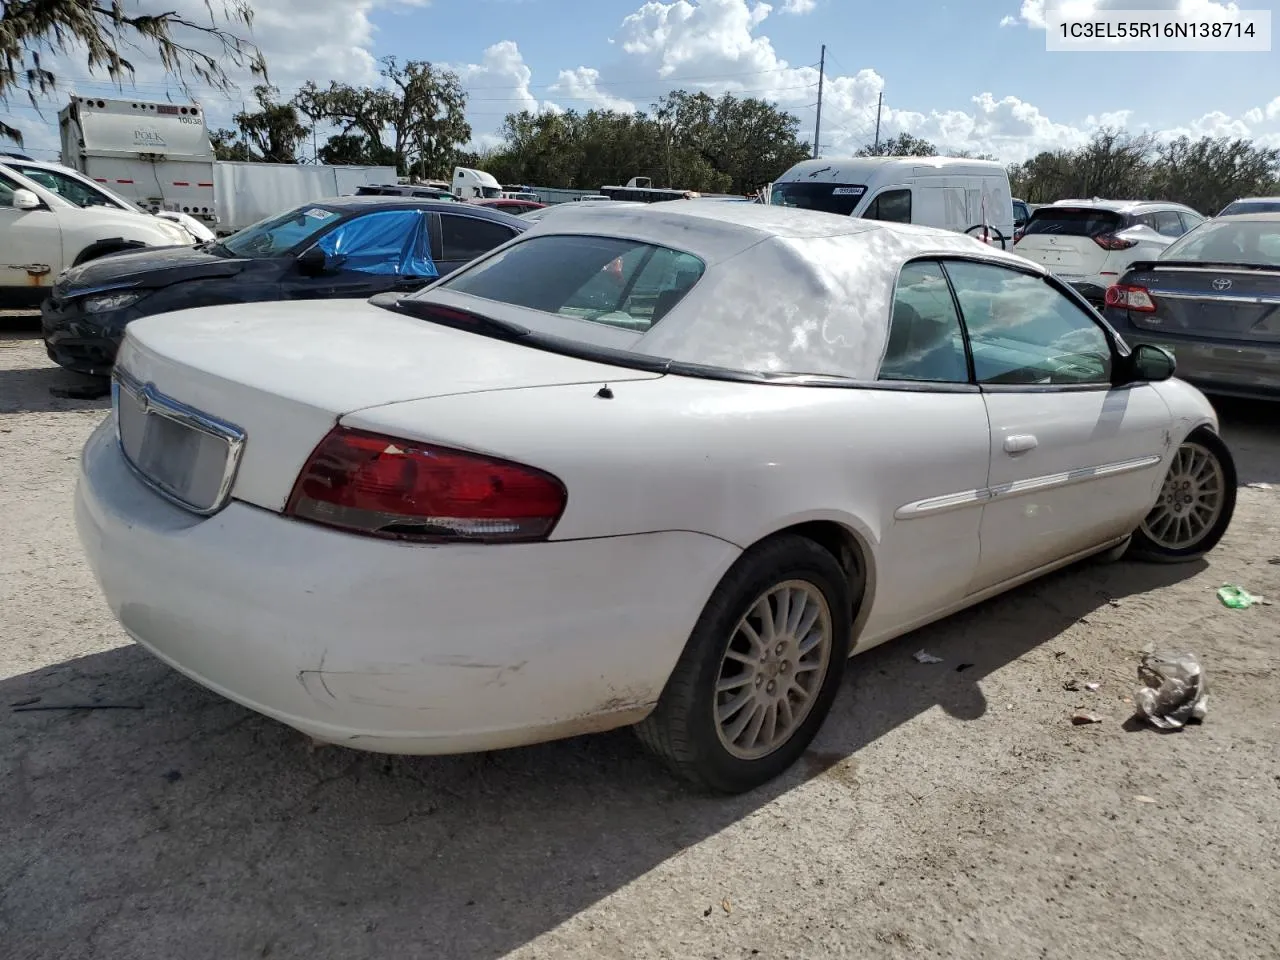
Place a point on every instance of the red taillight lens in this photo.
(1109, 241)
(366, 483)
(1130, 298)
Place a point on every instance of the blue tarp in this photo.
(390, 242)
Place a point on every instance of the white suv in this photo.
(42, 233)
(1091, 243)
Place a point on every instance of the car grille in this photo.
(188, 457)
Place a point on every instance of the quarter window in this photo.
(466, 238)
(925, 340)
(1023, 331)
(893, 206)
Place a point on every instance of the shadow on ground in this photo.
(194, 828)
(47, 389)
(1252, 431)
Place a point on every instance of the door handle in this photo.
(1020, 443)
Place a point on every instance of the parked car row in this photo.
(344, 248)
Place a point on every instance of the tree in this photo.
(101, 30)
(421, 108)
(355, 149)
(275, 130)
(690, 141)
(903, 145)
(228, 145)
(1208, 173)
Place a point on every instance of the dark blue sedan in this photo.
(349, 247)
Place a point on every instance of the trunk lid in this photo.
(284, 373)
(1061, 239)
(1226, 302)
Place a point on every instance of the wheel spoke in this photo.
(748, 631)
(752, 734)
(769, 730)
(726, 712)
(736, 682)
(734, 730)
(783, 614)
(764, 613)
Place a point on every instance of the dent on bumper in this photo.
(392, 647)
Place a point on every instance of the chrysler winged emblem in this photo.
(1222, 283)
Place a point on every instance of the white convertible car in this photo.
(666, 465)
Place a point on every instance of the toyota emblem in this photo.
(1222, 283)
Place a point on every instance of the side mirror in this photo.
(313, 262)
(25, 200)
(1151, 363)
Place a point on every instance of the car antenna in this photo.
(604, 393)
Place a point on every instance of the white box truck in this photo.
(159, 156)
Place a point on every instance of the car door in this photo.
(929, 549)
(1074, 461)
(464, 237)
(30, 247)
(377, 252)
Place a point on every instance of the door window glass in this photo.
(1168, 223)
(925, 340)
(466, 238)
(390, 242)
(892, 205)
(1023, 331)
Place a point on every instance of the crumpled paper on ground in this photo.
(1173, 691)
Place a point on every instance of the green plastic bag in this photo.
(1235, 597)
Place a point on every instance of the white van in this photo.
(949, 192)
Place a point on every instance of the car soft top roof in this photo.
(784, 291)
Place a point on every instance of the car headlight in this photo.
(110, 301)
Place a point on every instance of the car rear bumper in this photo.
(78, 342)
(393, 647)
(1218, 366)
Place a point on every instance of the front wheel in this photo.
(760, 670)
(1196, 503)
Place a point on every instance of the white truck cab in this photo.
(41, 234)
(967, 196)
(469, 184)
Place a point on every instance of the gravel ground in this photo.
(945, 810)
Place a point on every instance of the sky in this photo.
(964, 74)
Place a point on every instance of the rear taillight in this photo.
(1018, 235)
(1130, 298)
(366, 483)
(1109, 241)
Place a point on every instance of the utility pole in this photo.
(817, 127)
(879, 104)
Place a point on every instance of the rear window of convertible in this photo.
(606, 280)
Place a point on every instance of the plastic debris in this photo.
(726, 906)
(1237, 598)
(1141, 799)
(921, 656)
(1173, 691)
(1092, 687)
(1082, 717)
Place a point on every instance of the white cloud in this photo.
(581, 86)
(1033, 12)
(799, 7)
(1273, 109)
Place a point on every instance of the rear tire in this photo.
(771, 643)
(1196, 503)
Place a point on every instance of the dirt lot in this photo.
(942, 812)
